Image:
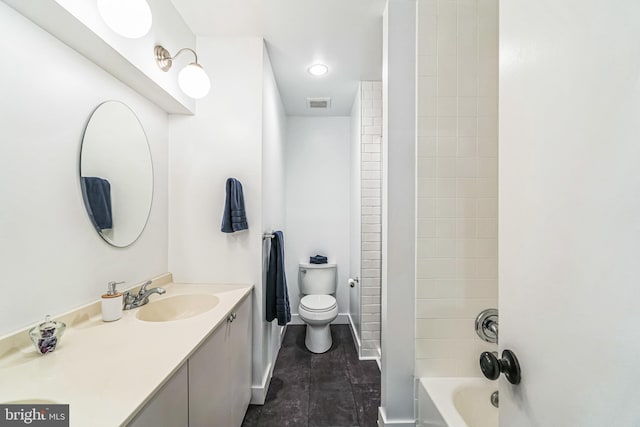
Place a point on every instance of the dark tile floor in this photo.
(333, 389)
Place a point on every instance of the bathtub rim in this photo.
(441, 391)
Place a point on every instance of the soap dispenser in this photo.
(112, 303)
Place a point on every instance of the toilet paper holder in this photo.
(353, 281)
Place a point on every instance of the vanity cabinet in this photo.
(169, 406)
(220, 373)
(213, 388)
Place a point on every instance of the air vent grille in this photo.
(322, 103)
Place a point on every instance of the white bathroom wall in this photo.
(274, 139)
(457, 231)
(51, 257)
(355, 200)
(398, 213)
(317, 199)
(570, 212)
(223, 140)
(239, 131)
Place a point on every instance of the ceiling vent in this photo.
(322, 103)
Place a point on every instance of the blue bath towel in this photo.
(97, 195)
(277, 294)
(234, 217)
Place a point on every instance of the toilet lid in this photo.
(318, 302)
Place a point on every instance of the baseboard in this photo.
(363, 354)
(383, 421)
(259, 393)
(369, 354)
(342, 319)
(356, 338)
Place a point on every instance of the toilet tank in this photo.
(317, 279)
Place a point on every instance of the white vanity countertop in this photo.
(106, 372)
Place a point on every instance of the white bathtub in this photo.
(456, 402)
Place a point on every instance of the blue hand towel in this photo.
(97, 194)
(234, 217)
(277, 294)
(318, 259)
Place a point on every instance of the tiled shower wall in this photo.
(457, 182)
(371, 175)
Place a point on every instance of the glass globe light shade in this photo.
(129, 18)
(193, 81)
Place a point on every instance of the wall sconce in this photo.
(129, 18)
(193, 80)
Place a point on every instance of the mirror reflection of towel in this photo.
(97, 192)
(234, 217)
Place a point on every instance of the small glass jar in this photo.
(46, 335)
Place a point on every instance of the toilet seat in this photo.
(318, 311)
(318, 303)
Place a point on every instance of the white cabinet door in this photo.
(239, 362)
(208, 401)
(220, 373)
(169, 406)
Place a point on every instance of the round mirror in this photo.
(116, 173)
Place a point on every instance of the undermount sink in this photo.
(177, 307)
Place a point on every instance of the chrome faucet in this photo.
(487, 325)
(135, 301)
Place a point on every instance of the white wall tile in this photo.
(373, 291)
(371, 246)
(370, 157)
(444, 328)
(370, 193)
(446, 146)
(467, 147)
(371, 148)
(426, 228)
(447, 71)
(445, 188)
(446, 167)
(427, 147)
(467, 126)
(370, 175)
(488, 147)
(446, 126)
(457, 186)
(447, 106)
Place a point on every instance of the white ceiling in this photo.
(346, 35)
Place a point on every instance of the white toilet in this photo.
(318, 306)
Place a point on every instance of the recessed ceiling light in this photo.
(318, 70)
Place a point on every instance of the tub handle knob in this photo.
(492, 366)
